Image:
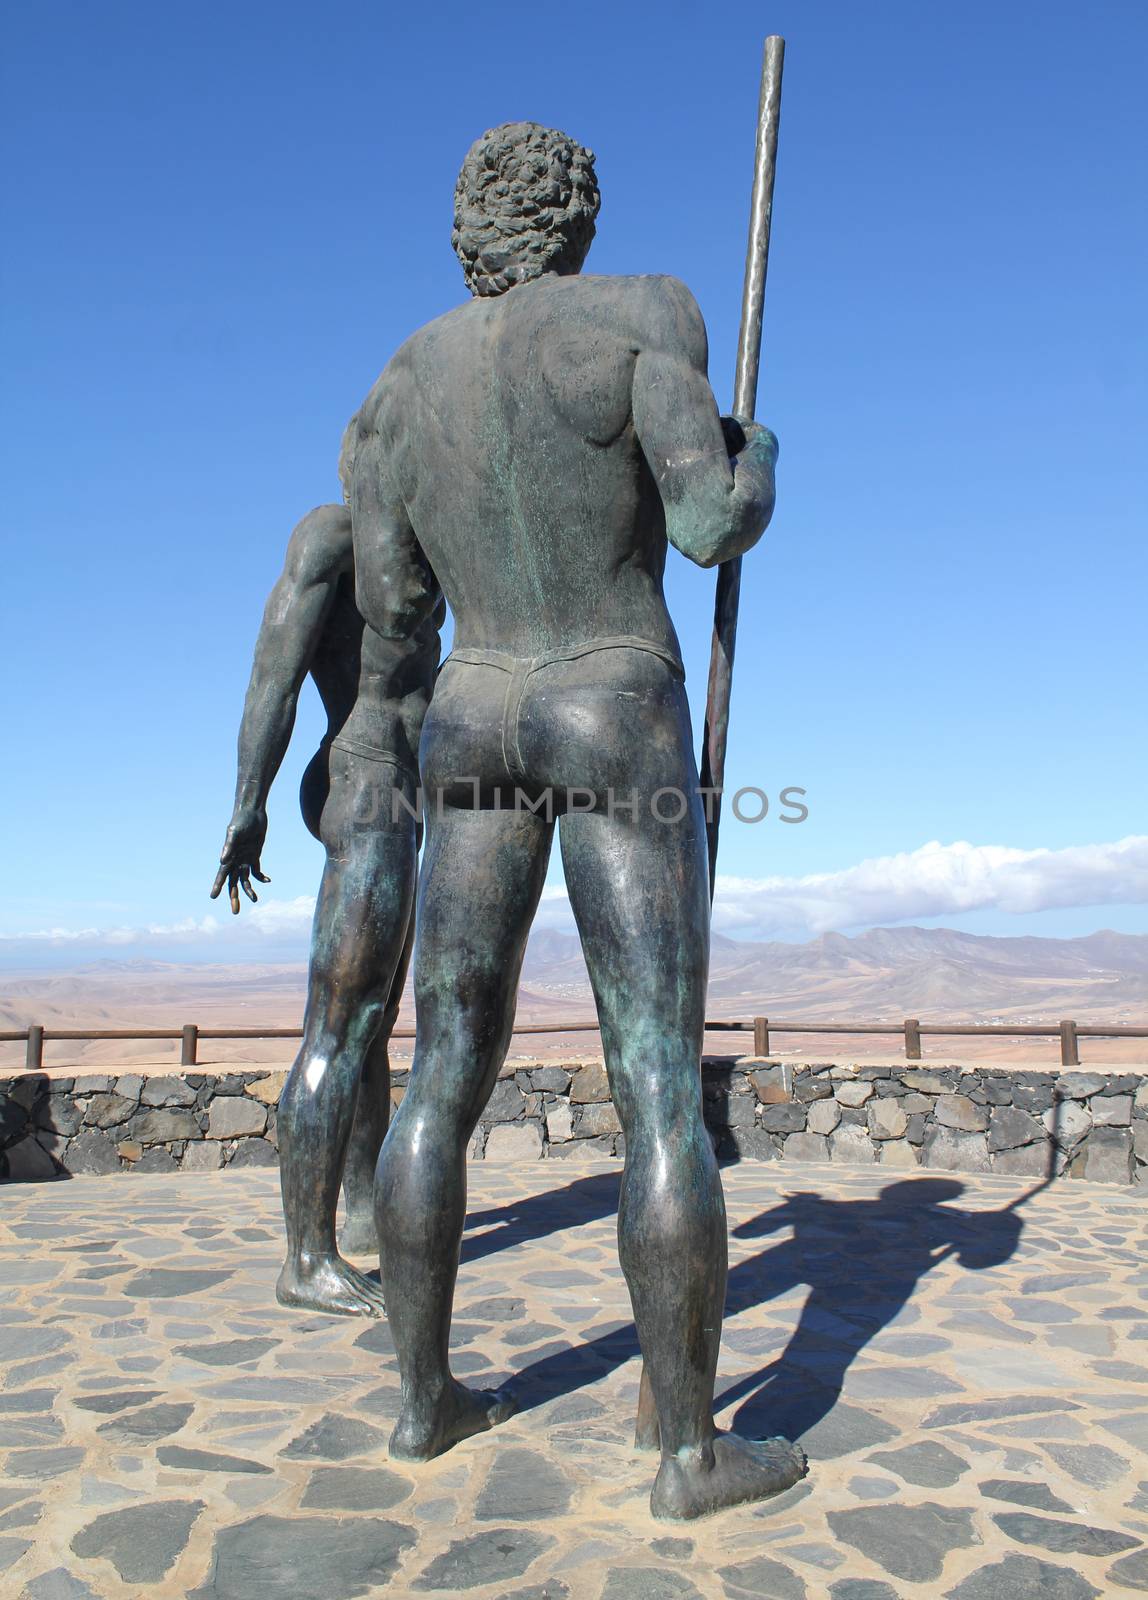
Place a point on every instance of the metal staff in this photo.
(744, 401)
(729, 573)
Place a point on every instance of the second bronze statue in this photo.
(334, 1109)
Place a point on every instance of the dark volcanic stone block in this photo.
(48, 1463)
(355, 1489)
(228, 1352)
(788, 1118)
(808, 1086)
(1009, 1127)
(141, 1541)
(27, 1161)
(1079, 1085)
(157, 1159)
(954, 1150)
(336, 1438)
(1130, 1572)
(523, 1486)
(108, 1110)
(57, 1584)
(1094, 1465)
(165, 1283)
(234, 1082)
(998, 1092)
(655, 1583)
(161, 1126)
(153, 1422)
(761, 1576)
(907, 1541)
(1062, 1538)
(1029, 1161)
(929, 1464)
(60, 1113)
(26, 1401)
(551, 1080)
(92, 1153)
(167, 1091)
(1107, 1156)
(185, 1460)
(750, 1144)
(254, 1153)
(489, 1557)
(506, 1104)
(118, 1400)
(499, 1308)
(1024, 1492)
(1022, 1405)
(1022, 1578)
(13, 1119)
(299, 1556)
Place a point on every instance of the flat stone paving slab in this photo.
(969, 1375)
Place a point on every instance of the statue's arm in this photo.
(318, 553)
(715, 475)
(395, 588)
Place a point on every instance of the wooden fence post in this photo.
(34, 1059)
(189, 1045)
(1069, 1049)
(761, 1036)
(912, 1038)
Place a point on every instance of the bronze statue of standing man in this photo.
(335, 1105)
(532, 454)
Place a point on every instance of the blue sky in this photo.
(224, 219)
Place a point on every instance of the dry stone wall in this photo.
(1090, 1125)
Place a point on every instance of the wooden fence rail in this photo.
(912, 1030)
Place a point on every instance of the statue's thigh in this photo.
(364, 909)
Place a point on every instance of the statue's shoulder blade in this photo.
(592, 333)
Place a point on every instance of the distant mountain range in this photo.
(885, 973)
(897, 972)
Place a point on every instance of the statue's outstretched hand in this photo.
(239, 861)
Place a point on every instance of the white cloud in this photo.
(270, 919)
(190, 927)
(936, 880)
(274, 917)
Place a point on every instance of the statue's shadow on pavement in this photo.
(861, 1260)
(585, 1200)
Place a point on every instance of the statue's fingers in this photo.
(262, 876)
(220, 880)
(245, 885)
(233, 893)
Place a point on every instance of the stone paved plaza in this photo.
(969, 1376)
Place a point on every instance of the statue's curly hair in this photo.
(524, 204)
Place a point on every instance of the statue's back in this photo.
(508, 424)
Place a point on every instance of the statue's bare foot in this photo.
(425, 1431)
(328, 1283)
(359, 1237)
(736, 1472)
